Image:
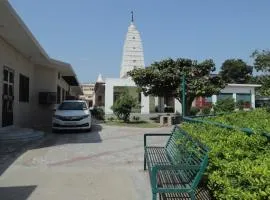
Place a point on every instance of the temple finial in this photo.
(132, 18)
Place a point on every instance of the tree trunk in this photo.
(189, 101)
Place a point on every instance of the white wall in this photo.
(41, 79)
(177, 106)
(109, 85)
(244, 89)
(10, 57)
(45, 81)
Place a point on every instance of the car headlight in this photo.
(84, 116)
(57, 116)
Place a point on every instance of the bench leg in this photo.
(154, 196)
(192, 195)
(144, 166)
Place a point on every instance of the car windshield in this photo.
(72, 106)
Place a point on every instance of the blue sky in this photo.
(90, 34)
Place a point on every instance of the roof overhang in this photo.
(15, 32)
(244, 85)
(67, 72)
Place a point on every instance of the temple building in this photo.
(109, 89)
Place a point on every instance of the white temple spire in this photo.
(133, 56)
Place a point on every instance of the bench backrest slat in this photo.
(183, 149)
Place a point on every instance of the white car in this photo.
(72, 114)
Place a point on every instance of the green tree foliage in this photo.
(164, 79)
(261, 60)
(262, 64)
(263, 80)
(224, 105)
(236, 71)
(123, 105)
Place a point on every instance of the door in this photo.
(7, 97)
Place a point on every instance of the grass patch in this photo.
(138, 124)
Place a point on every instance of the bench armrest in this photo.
(154, 134)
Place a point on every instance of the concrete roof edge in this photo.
(244, 85)
(26, 29)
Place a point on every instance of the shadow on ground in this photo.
(17, 192)
(72, 137)
(10, 151)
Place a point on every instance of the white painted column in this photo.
(234, 97)
(214, 99)
(108, 98)
(144, 104)
(253, 98)
(177, 106)
(156, 101)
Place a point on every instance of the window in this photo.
(134, 47)
(58, 94)
(63, 94)
(72, 106)
(134, 61)
(99, 98)
(24, 89)
(224, 96)
(5, 75)
(245, 98)
(208, 99)
(139, 97)
(133, 37)
(59, 75)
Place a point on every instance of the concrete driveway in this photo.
(106, 164)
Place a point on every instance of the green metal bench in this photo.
(178, 166)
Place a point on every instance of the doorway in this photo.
(7, 97)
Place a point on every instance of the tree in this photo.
(236, 71)
(263, 80)
(164, 79)
(261, 60)
(123, 105)
(262, 64)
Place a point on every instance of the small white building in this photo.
(88, 93)
(31, 82)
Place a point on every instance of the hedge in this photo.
(239, 165)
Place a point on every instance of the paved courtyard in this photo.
(105, 164)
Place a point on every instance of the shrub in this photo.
(206, 110)
(268, 108)
(238, 164)
(98, 113)
(122, 107)
(169, 109)
(193, 111)
(136, 118)
(224, 105)
(258, 120)
(240, 104)
(110, 118)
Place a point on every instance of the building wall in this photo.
(88, 93)
(41, 79)
(11, 58)
(236, 90)
(45, 81)
(110, 83)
